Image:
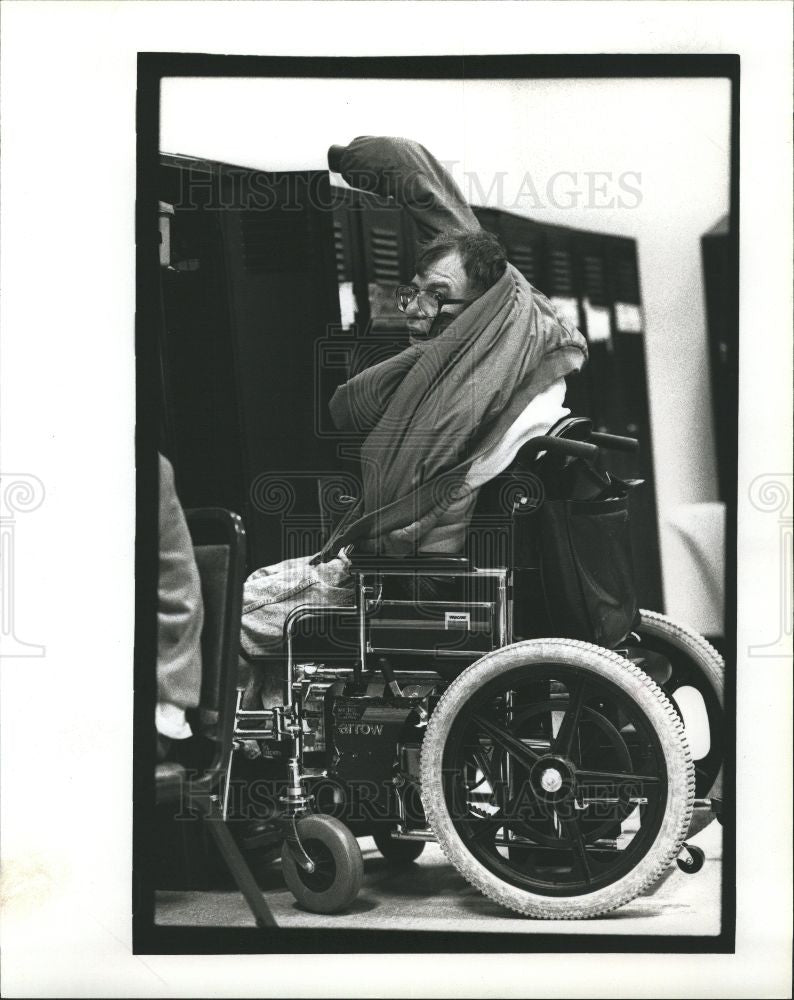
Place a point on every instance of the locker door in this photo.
(199, 389)
(385, 250)
(634, 420)
(488, 218)
(282, 274)
(344, 256)
(523, 240)
(388, 258)
(562, 289)
(255, 296)
(629, 340)
(722, 315)
(606, 394)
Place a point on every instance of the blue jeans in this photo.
(272, 592)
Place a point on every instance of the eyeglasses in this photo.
(430, 304)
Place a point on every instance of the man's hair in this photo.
(483, 255)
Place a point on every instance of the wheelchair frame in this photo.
(289, 727)
(361, 609)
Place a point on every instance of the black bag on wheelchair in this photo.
(577, 537)
(586, 569)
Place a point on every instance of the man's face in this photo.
(447, 277)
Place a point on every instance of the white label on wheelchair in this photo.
(457, 619)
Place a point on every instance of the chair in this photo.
(219, 546)
(444, 706)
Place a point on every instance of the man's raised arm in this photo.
(404, 170)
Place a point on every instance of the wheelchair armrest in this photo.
(429, 562)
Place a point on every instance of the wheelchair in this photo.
(513, 705)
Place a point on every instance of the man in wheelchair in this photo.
(484, 372)
(508, 700)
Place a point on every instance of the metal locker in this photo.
(250, 299)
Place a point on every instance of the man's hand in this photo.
(398, 168)
(335, 158)
(404, 541)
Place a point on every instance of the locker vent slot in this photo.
(594, 279)
(339, 253)
(560, 273)
(525, 259)
(385, 255)
(627, 286)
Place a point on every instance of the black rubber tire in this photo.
(698, 859)
(398, 852)
(328, 841)
(709, 666)
(634, 683)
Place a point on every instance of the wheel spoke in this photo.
(484, 827)
(565, 735)
(491, 776)
(483, 761)
(481, 825)
(514, 747)
(611, 779)
(574, 834)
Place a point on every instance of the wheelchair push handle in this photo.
(614, 442)
(563, 446)
(579, 449)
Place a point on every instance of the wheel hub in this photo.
(553, 779)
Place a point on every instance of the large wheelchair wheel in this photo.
(339, 868)
(557, 778)
(691, 662)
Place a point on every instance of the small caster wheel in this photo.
(338, 871)
(398, 852)
(692, 861)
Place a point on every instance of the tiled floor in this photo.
(431, 895)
